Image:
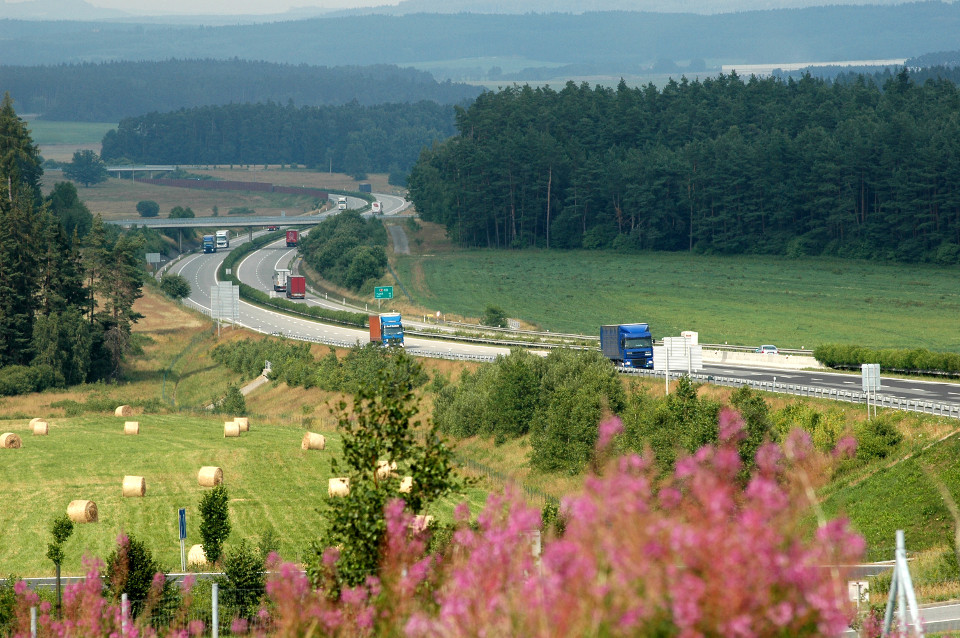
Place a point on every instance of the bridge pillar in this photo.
(250, 229)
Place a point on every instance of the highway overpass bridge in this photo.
(250, 222)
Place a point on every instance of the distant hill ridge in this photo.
(611, 43)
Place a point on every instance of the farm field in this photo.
(272, 483)
(745, 300)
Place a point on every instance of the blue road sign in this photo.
(183, 523)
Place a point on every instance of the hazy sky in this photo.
(228, 7)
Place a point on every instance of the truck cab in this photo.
(342, 203)
(209, 244)
(280, 277)
(629, 345)
(387, 329)
(223, 239)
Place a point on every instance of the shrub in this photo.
(148, 208)
(494, 316)
(243, 580)
(214, 522)
(175, 285)
(131, 570)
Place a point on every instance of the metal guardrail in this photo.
(896, 403)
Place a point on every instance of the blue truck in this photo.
(387, 328)
(209, 244)
(629, 345)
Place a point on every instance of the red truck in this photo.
(296, 287)
(292, 237)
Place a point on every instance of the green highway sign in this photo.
(383, 292)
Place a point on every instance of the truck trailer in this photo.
(293, 237)
(387, 329)
(296, 287)
(280, 277)
(342, 203)
(629, 345)
(209, 244)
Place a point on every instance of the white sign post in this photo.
(871, 383)
(225, 303)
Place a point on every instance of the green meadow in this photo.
(745, 300)
(272, 484)
(46, 133)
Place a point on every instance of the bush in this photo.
(175, 286)
(214, 522)
(148, 208)
(494, 316)
(232, 402)
(131, 570)
(243, 580)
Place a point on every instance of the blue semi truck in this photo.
(387, 329)
(629, 345)
(209, 244)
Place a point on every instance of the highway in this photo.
(256, 270)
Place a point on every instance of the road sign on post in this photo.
(183, 536)
(383, 292)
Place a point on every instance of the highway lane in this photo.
(257, 270)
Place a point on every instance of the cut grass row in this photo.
(746, 300)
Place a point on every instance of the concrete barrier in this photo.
(784, 361)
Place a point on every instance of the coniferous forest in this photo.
(67, 281)
(351, 139)
(794, 167)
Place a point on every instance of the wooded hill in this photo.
(617, 43)
(111, 91)
(763, 166)
(352, 139)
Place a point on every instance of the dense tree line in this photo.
(727, 166)
(111, 91)
(351, 139)
(67, 281)
(347, 249)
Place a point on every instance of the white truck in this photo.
(342, 203)
(280, 277)
(376, 208)
(223, 239)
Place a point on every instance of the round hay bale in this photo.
(123, 410)
(406, 485)
(231, 429)
(81, 511)
(131, 427)
(10, 441)
(40, 428)
(420, 522)
(196, 556)
(36, 420)
(386, 470)
(338, 486)
(313, 441)
(243, 422)
(134, 486)
(210, 476)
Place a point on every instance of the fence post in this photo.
(215, 630)
(33, 622)
(123, 615)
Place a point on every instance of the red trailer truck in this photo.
(293, 237)
(296, 287)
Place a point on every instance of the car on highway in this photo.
(272, 228)
(767, 349)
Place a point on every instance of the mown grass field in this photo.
(272, 482)
(746, 300)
